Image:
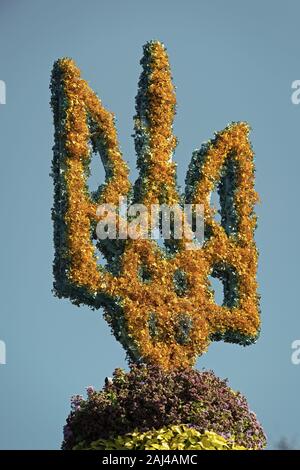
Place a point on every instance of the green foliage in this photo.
(176, 437)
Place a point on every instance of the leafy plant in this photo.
(148, 398)
(168, 438)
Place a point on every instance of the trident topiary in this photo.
(158, 301)
(169, 316)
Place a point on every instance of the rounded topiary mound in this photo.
(149, 399)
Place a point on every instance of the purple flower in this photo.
(90, 390)
(76, 401)
(148, 398)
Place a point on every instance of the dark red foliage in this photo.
(149, 398)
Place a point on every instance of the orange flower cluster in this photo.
(155, 314)
(155, 125)
(81, 208)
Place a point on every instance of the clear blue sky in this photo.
(231, 61)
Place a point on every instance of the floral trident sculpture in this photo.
(159, 302)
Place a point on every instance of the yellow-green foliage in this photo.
(176, 437)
